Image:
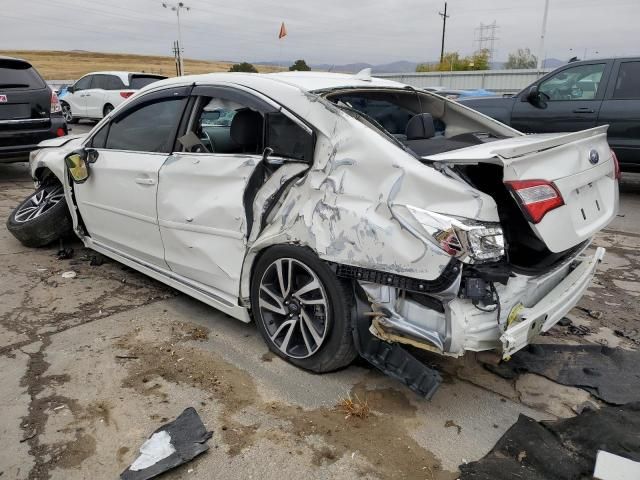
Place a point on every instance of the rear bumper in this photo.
(17, 143)
(550, 309)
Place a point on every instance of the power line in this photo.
(486, 39)
(176, 7)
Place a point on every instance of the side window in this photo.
(287, 138)
(628, 82)
(578, 83)
(99, 81)
(391, 116)
(99, 140)
(225, 126)
(83, 84)
(148, 128)
(113, 83)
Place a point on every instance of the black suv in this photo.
(575, 97)
(29, 111)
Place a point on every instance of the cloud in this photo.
(327, 31)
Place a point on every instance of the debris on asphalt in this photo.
(96, 260)
(173, 444)
(592, 313)
(69, 274)
(64, 253)
(615, 467)
(579, 330)
(564, 322)
(354, 407)
(610, 374)
(562, 449)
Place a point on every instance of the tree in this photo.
(243, 67)
(452, 61)
(521, 58)
(300, 65)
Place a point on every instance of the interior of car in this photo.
(421, 122)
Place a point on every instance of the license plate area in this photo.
(15, 111)
(588, 205)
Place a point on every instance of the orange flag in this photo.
(283, 31)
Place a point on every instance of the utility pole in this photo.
(542, 35)
(444, 28)
(176, 8)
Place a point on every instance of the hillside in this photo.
(70, 65)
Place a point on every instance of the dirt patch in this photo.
(383, 438)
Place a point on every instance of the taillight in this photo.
(55, 103)
(616, 166)
(126, 94)
(535, 197)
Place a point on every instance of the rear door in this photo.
(95, 96)
(621, 111)
(574, 97)
(118, 201)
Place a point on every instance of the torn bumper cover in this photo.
(529, 322)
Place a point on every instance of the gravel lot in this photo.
(91, 366)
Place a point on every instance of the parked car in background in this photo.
(29, 111)
(453, 94)
(575, 97)
(96, 94)
(343, 214)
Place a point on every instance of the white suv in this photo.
(97, 93)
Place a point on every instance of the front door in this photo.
(77, 98)
(207, 191)
(118, 201)
(571, 101)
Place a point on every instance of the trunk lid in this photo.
(579, 164)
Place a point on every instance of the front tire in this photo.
(302, 310)
(42, 217)
(67, 114)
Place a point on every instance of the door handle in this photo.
(583, 110)
(145, 181)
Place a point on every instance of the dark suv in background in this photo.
(575, 97)
(29, 111)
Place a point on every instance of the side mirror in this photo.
(77, 165)
(71, 89)
(535, 97)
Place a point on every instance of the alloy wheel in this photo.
(293, 307)
(66, 113)
(40, 202)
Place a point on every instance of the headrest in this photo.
(420, 127)
(246, 128)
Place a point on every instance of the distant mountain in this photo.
(402, 66)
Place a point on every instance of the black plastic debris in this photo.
(64, 253)
(561, 450)
(169, 446)
(611, 374)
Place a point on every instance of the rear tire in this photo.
(42, 217)
(312, 329)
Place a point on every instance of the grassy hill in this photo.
(70, 65)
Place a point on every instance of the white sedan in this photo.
(344, 214)
(97, 93)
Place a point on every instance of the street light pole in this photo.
(542, 35)
(176, 8)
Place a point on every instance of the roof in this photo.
(124, 76)
(306, 81)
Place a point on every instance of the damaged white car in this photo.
(345, 214)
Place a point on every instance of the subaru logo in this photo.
(594, 157)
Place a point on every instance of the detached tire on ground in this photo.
(42, 217)
(302, 309)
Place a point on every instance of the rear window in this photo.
(139, 81)
(19, 75)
